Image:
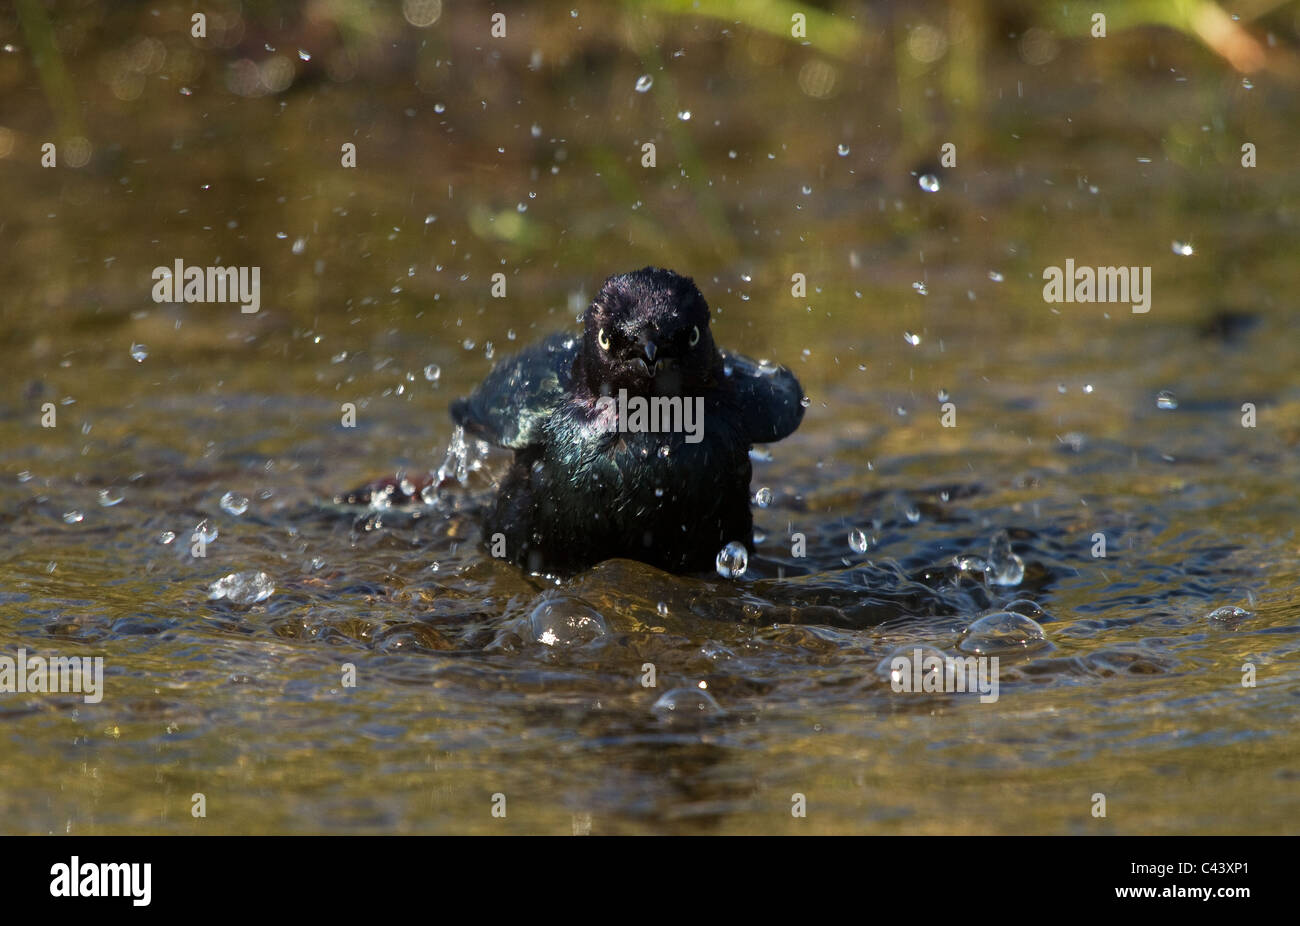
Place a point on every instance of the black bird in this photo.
(586, 485)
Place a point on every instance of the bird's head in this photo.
(647, 332)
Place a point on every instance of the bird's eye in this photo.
(603, 340)
(695, 335)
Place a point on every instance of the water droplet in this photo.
(767, 367)
(686, 704)
(432, 372)
(73, 517)
(110, 497)
(806, 190)
(763, 497)
(166, 537)
(439, 107)
(299, 245)
(921, 288)
(842, 150)
(733, 560)
(139, 352)
(662, 609)
(304, 54)
(1087, 388)
(1003, 632)
(565, 622)
(857, 541)
(644, 83)
(1247, 84)
(929, 183)
(234, 504)
(995, 276)
(1004, 566)
(1166, 400)
(910, 338)
(242, 588)
(943, 395)
(1182, 248)
(684, 115)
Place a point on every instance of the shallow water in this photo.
(1135, 692)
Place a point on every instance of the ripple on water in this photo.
(1129, 660)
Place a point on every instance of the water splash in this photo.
(242, 588)
(1004, 567)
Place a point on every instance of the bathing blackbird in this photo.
(597, 473)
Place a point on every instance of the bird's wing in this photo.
(768, 395)
(514, 401)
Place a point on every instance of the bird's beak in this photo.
(650, 351)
